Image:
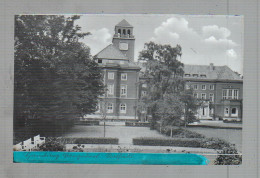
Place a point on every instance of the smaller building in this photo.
(219, 87)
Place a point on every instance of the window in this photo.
(122, 108)
(226, 112)
(234, 112)
(110, 89)
(230, 94)
(119, 32)
(124, 76)
(203, 76)
(98, 108)
(124, 32)
(235, 94)
(203, 87)
(187, 86)
(211, 97)
(110, 108)
(203, 96)
(143, 93)
(195, 87)
(144, 85)
(110, 75)
(196, 95)
(187, 75)
(123, 90)
(204, 111)
(211, 87)
(100, 61)
(195, 75)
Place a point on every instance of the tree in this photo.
(167, 99)
(54, 75)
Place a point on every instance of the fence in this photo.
(30, 144)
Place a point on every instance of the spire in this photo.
(123, 23)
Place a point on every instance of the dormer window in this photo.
(187, 75)
(203, 75)
(195, 75)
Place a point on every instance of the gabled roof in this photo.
(211, 72)
(111, 52)
(123, 23)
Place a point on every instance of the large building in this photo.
(121, 76)
(219, 87)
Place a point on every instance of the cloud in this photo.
(98, 40)
(231, 53)
(221, 42)
(211, 45)
(216, 31)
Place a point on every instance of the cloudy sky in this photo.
(204, 39)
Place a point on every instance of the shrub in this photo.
(97, 140)
(228, 159)
(138, 124)
(210, 143)
(58, 143)
(177, 132)
(183, 142)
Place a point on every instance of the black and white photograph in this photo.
(129, 83)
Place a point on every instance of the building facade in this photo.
(121, 76)
(220, 88)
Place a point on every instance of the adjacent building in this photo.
(219, 87)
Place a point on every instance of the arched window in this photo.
(124, 32)
(122, 108)
(128, 33)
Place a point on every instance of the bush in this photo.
(138, 124)
(98, 140)
(87, 123)
(228, 159)
(58, 143)
(177, 132)
(183, 142)
(210, 143)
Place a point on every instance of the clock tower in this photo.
(124, 39)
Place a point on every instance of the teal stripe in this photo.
(109, 158)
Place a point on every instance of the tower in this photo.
(124, 39)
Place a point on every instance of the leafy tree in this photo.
(167, 98)
(54, 75)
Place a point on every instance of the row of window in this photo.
(123, 90)
(111, 76)
(203, 87)
(110, 108)
(196, 75)
(204, 96)
(230, 94)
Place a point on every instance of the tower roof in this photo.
(123, 23)
(111, 52)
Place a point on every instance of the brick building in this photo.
(121, 76)
(219, 87)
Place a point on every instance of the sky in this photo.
(204, 39)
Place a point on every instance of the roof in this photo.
(210, 72)
(123, 23)
(111, 52)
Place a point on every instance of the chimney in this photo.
(211, 66)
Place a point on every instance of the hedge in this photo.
(210, 143)
(87, 123)
(58, 143)
(138, 124)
